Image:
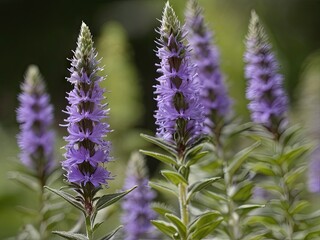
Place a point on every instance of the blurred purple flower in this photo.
(179, 116)
(86, 148)
(268, 101)
(35, 116)
(137, 206)
(314, 170)
(205, 55)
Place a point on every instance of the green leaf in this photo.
(242, 191)
(173, 177)
(261, 167)
(160, 143)
(215, 196)
(25, 180)
(272, 187)
(240, 128)
(70, 235)
(306, 217)
(165, 227)
(190, 153)
(110, 235)
(28, 211)
(161, 209)
(293, 154)
(96, 226)
(29, 232)
(298, 207)
(161, 157)
(204, 225)
(289, 134)
(240, 157)
(291, 177)
(182, 229)
(107, 200)
(267, 221)
(195, 159)
(68, 197)
(163, 187)
(249, 207)
(199, 185)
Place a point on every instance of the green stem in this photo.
(42, 223)
(89, 228)
(288, 198)
(233, 217)
(289, 218)
(184, 211)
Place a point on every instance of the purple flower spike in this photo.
(205, 55)
(35, 116)
(137, 205)
(86, 149)
(268, 101)
(180, 115)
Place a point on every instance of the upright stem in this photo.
(183, 193)
(42, 200)
(184, 211)
(89, 228)
(233, 218)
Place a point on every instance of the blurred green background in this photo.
(45, 33)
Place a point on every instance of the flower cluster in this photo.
(136, 206)
(269, 102)
(205, 55)
(86, 148)
(35, 116)
(180, 115)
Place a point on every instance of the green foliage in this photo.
(231, 196)
(109, 199)
(204, 225)
(282, 163)
(178, 184)
(101, 202)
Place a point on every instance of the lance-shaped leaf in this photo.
(164, 187)
(195, 159)
(244, 209)
(240, 157)
(199, 185)
(204, 225)
(165, 227)
(215, 196)
(70, 235)
(110, 235)
(298, 206)
(289, 134)
(162, 209)
(68, 197)
(293, 154)
(25, 180)
(182, 229)
(242, 191)
(160, 143)
(190, 153)
(174, 177)
(109, 199)
(161, 157)
(291, 177)
(263, 168)
(308, 217)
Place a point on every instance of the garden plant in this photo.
(220, 177)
